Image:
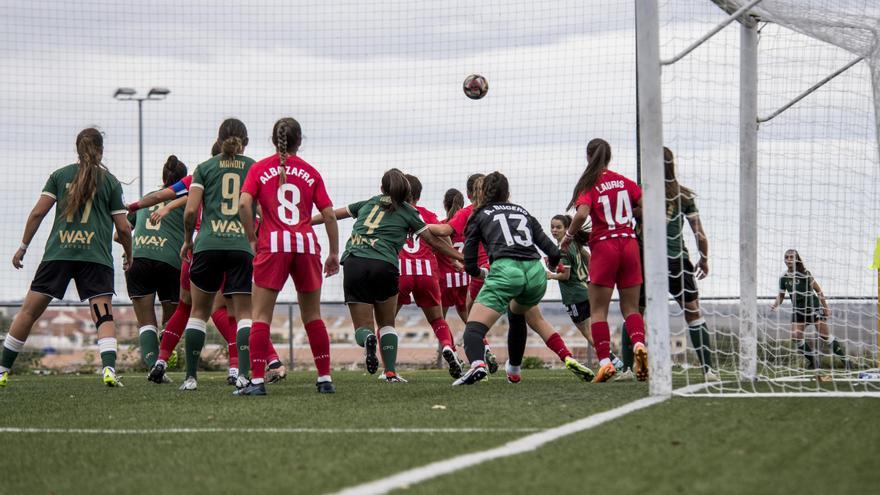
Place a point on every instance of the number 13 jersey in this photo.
(287, 208)
(508, 231)
(611, 203)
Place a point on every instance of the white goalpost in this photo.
(774, 127)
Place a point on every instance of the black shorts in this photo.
(808, 315)
(579, 311)
(147, 277)
(91, 279)
(209, 268)
(369, 281)
(682, 282)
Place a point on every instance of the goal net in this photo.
(817, 186)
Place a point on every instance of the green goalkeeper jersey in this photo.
(86, 235)
(221, 179)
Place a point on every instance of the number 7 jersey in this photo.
(221, 178)
(611, 203)
(287, 208)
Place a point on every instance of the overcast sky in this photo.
(378, 84)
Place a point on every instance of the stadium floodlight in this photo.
(129, 94)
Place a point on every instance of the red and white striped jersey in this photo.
(417, 257)
(285, 241)
(451, 280)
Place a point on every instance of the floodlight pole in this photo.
(128, 94)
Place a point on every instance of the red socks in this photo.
(259, 343)
(174, 330)
(227, 327)
(444, 335)
(319, 341)
(557, 345)
(273, 354)
(602, 339)
(635, 327)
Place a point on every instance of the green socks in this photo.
(700, 340)
(626, 349)
(149, 341)
(194, 342)
(807, 351)
(361, 334)
(107, 346)
(242, 337)
(11, 347)
(388, 346)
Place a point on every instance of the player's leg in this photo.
(226, 325)
(635, 327)
(365, 332)
(148, 332)
(600, 299)
(102, 316)
(480, 319)
(385, 312)
(825, 334)
(263, 301)
(517, 334)
(195, 333)
(434, 315)
(174, 327)
(473, 291)
(32, 308)
(797, 336)
(307, 273)
(360, 294)
(237, 285)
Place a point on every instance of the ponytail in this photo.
(453, 201)
(287, 137)
(396, 187)
(232, 137)
(495, 188)
(598, 157)
(173, 171)
(89, 150)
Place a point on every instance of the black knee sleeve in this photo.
(474, 333)
(100, 319)
(516, 338)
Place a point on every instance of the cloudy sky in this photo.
(378, 85)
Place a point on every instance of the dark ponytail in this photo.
(287, 137)
(89, 150)
(453, 201)
(173, 171)
(415, 188)
(674, 190)
(598, 157)
(232, 137)
(495, 189)
(396, 187)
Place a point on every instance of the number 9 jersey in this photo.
(287, 244)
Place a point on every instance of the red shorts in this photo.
(424, 289)
(615, 262)
(455, 297)
(474, 287)
(184, 275)
(272, 269)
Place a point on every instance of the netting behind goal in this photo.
(818, 184)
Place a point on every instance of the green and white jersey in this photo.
(800, 286)
(158, 241)
(676, 211)
(378, 232)
(88, 234)
(574, 290)
(221, 178)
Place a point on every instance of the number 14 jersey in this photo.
(611, 203)
(287, 208)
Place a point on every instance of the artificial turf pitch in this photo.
(684, 445)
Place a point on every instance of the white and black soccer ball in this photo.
(475, 86)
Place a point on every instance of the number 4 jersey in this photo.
(508, 231)
(611, 203)
(221, 178)
(287, 208)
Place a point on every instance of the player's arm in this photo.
(561, 276)
(331, 264)
(35, 218)
(815, 286)
(153, 199)
(190, 213)
(580, 217)
(166, 209)
(338, 214)
(444, 248)
(702, 244)
(441, 229)
(780, 296)
(123, 234)
(246, 216)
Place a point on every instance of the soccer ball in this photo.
(475, 86)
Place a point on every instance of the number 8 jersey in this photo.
(611, 203)
(287, 208)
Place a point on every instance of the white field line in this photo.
(784, 395)
(159, 431)
(525, 444)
